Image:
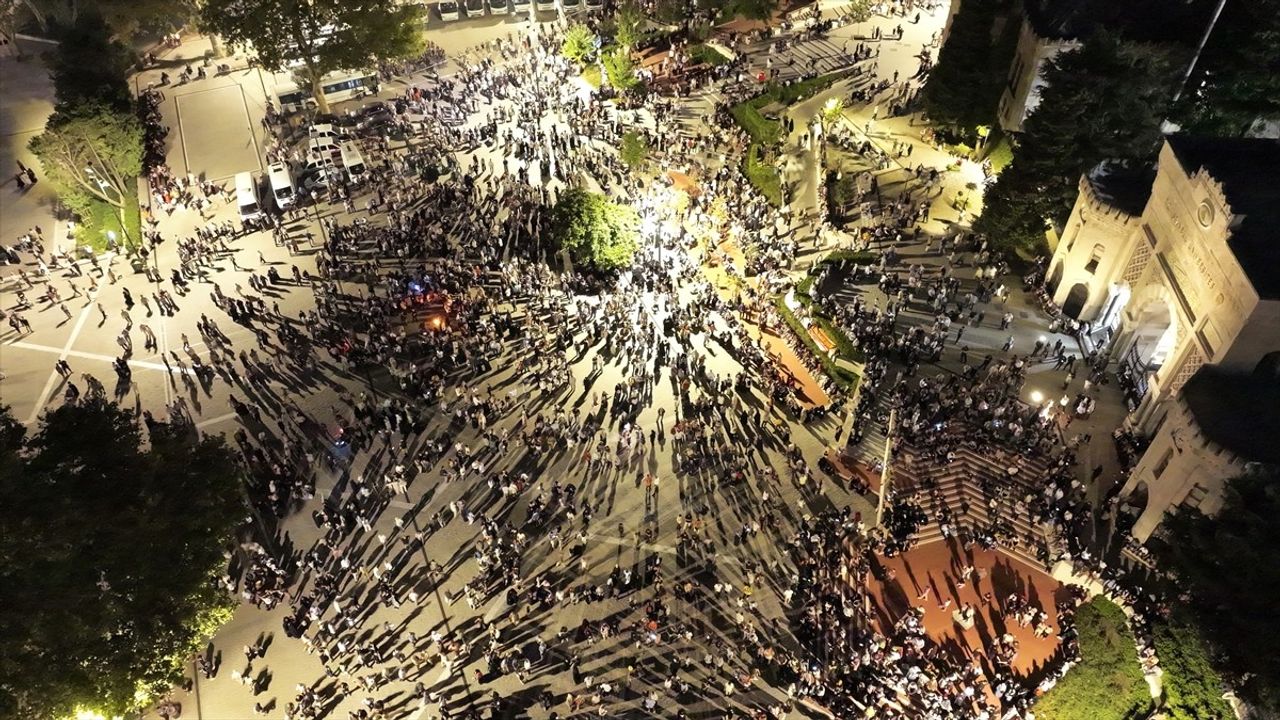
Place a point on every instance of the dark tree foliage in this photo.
(1237, 79)
(109, 558)
(1230, 566)
(1103, 101)
(89, 67)
(1193, 689)
(964, 87)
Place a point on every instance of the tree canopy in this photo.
(89, 67)
(628, 25)
(1192, 687)
(110, 558)
(92, 153)
(1107, 683)
(1230, 567)
(1237, 79)
(964, 87)
(595, 231)
(319, 36)
(620, 69)
(634, 150)
(579, 43)
(1103, 101)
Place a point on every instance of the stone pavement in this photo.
(28, 102)
(88, 343)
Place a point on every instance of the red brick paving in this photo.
(937, 565)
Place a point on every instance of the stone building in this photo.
(1175, 269)
(1221, 423)
(1039, 41)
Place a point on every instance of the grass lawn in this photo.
(769, 131)
(762, 175)
(99, 218)
(591, 74)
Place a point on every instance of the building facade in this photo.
(1222, 423)
(1174, 270)
(1026, 74)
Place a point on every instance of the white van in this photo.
(247, 197)
(353, 161)
(281, 182)
(449, 10)
(545, 5)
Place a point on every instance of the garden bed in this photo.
(842, 377)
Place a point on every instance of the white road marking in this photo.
(95, 356)
(215, 420)
(62, 355)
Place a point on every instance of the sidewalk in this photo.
(28, 102)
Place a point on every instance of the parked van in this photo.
(282, 188)
(247, 198)
(353, 161)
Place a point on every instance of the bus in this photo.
(336, 87)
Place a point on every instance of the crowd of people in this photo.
(486, 390)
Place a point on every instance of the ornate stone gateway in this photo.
(1149, 262)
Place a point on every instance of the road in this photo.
(215, 132)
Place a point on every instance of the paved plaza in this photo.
(645, 561)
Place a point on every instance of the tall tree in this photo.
(317, 37)
(110, 558)
(1229, 566)
(579, 43)
(595, 231)
(628, 23)
(131, 19)
(93, 152)
(1237, 78)
(90, 67)
(1193, 689)
(620, 69)
(1103, 101)
(964, 87)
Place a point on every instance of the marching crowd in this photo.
(504, 423)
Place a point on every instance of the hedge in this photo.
(703, 53)
(842, 377)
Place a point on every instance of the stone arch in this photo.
(1151, 304)
(1136, 500)
(1268, 365)
(1076, 299)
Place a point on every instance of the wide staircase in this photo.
(966, 485)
